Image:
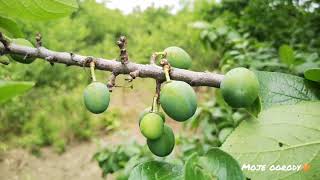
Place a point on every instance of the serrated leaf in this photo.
(9, 26)
(286, 54)
(312, 74)
(157, 170)
(279, 89)
(282, 135)
(9, 89)
(37, 10)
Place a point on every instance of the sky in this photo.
(127, 6)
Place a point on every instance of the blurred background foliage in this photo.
(272, 35)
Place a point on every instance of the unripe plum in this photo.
(96, 97)
(148, 110)
(21, 58)
(151, 126)
(164, 145)
(240, 87)
(178, 57)
(178, 100)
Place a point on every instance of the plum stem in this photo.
(93, 75)
(166, 69)
(161, 54)
(156, 103)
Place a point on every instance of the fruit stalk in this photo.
(154, 107)
(93, 75)
(156, 100)
(166, 69)
(161, 54)
(155, 55)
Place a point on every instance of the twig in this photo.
(134, 74)
(112, 81)
(145, 71)
(153, 59)
(122, 42)
(38, 40)
(39, 44)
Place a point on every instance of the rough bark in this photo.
(139, 70)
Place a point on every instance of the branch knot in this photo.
(88, 60)
(51, 60)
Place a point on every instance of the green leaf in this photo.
(212, 36)
(9, 89)
(193, 171)
(157, 170)
(282, 135)
(224, 133)
(280, 89)
(312, 74)
(222, 30)
(215, 164)
(37, 10)
(10, 27)
(200, 25)
(286, 54)
(220, 164)
(255, 108)
(4, 60)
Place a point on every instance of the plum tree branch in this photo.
(116, 67)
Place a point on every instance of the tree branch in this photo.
(145, 70)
